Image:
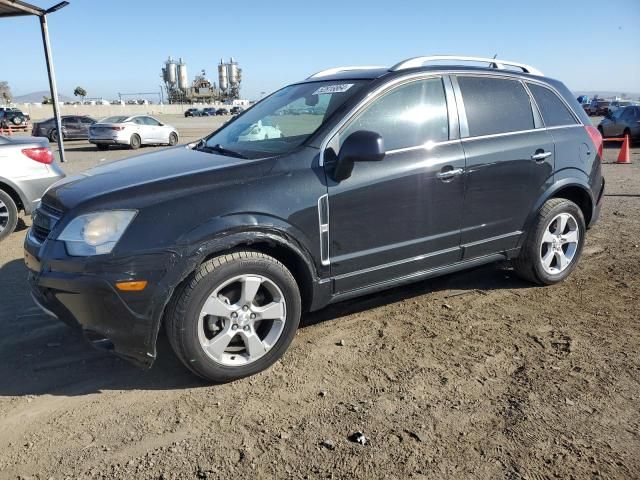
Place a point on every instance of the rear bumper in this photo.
(81, 292)
(32, 189)
(109, 141)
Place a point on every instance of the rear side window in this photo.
(553, 110)
(495, 105)
(408, 116)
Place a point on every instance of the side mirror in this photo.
(360, 146)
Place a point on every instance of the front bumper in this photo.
(81, 292)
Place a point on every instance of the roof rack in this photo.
(331, 71)
(493, 63)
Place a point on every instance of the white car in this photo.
(257, 131)
(133, 131)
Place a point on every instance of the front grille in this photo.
(40, 233)
(44, 219)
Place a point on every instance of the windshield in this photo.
(283, 121)
(117, 119)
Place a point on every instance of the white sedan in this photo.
(133, 131)
(257, 131)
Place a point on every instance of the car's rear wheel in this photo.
(53, 136)
(235, 316)
(102, 146)
(8, 214)
(173, 139)
(553, 247)
(135, 141)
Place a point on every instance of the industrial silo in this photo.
(183, 79)
(223, 79)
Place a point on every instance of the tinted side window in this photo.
(151, 121)
(495, 105)
(407, 116)
(87, 120)
(627, 113)
(554, 111)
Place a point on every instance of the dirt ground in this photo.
(472, 375)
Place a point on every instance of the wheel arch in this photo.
(573, 189)
(14, 192)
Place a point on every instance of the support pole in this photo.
(52, 84)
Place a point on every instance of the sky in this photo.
(111, 46)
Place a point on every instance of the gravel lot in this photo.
(472, 375)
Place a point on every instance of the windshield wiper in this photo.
(221, 150)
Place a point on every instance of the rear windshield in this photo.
(117, 119)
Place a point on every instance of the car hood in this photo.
(178, 167)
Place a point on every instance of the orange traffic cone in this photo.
(623, 156)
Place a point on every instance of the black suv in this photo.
(410, 172)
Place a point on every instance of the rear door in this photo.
(510, 161)
(398, 216)
(143, 129)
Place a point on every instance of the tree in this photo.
(80, 92)
(5, 91)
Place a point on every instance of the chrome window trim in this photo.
(371, 97)
(427, 146)
(505, 134)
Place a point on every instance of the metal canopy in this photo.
(18, 8)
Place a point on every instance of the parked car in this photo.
(74, 127)
(616, 104)
(11, 118)
(133, 131)
(236, 110)
(598, 107)
(27, 169)
(15, 109)
(208, 112)
(413, 171)
(624, 121)
(222, 111)
(193, 112)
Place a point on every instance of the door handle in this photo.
(540, 156)
(448, 174)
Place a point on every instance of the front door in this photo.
(510, 162)
(401, 215)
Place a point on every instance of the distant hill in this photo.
(36, 97)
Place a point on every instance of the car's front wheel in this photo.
(8, 215)
(235, 316)
(553, 247)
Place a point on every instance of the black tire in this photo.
(173, 139)
(135, 142)
(528, 265)
(102, 146)
(183, 313)
(601, 130)
(53, 136)
(17, 120)
(8, 215)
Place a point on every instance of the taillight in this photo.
(596, 138)
(42, 154)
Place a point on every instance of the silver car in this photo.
(27, 169)
(133, 131)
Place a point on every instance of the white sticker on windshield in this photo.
(343, 87)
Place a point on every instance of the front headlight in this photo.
(96, 233)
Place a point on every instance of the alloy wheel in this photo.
(4, 216)
(559, 243)
(242, 320)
